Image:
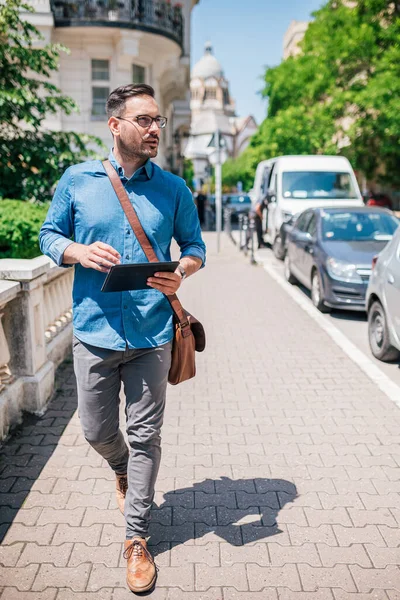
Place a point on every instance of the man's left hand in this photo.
(167, 283)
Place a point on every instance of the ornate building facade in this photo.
(292, 38)
(113, 43)
(213, 109)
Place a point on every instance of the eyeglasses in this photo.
(146, 121)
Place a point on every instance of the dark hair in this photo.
(115, 104)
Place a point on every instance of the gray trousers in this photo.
(143, 372)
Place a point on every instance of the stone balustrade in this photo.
(35, 334)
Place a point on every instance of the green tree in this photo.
(341, 94)
(188, 172)
(32, 158)
(20, 223)
(240, 169)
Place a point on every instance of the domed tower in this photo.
(213, 109)
(208, 86)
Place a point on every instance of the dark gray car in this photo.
(330, 251)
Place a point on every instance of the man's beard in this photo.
(134, 151)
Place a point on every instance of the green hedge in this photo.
(20, 223)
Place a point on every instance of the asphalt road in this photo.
(352, 324)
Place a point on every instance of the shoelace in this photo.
(137, 549)
(123, 485)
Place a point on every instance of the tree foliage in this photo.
(188, 172)
(32, 158)
(341, 94)
(20, 223)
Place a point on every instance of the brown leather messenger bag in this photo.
(189, 335)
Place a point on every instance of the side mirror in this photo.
(271, 195)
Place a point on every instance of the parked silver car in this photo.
(383, 302)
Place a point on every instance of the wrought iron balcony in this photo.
(160, 17)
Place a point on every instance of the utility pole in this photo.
(218, 189)
(217, 156)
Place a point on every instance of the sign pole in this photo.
(218, 189)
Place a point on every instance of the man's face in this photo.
(135, 141)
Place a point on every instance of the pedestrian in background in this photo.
(124, 337)
(258, 218)
(201, 200)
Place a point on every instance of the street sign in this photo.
(215, 159)
(214, 156)
(213, 142)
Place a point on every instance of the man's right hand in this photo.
(98, 256)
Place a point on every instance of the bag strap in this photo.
(142, 237)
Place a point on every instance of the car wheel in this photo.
(288, 272)
(378, 334)
(317, 293)
(277, 249)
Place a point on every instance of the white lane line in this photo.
(388, 387)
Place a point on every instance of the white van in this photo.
(292, 184)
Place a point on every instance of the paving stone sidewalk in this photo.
(280, 475)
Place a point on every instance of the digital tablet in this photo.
(123, 278)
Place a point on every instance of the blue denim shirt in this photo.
(86, 208)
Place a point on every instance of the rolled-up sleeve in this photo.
(57, 230)
(187, 231)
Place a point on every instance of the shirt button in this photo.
(125, 307)
(128, 232)
(127, 257)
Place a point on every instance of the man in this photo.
(124, 337)
(201, 200)
(258, 218)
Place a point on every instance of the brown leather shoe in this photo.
(120, 491)
(141, 570)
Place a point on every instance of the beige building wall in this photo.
(293, 37)
(166, 67)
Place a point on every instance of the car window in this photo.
(273, 182)
(312, 225)
(356, 225)
(303, 221)
(317, 184)
(266, 184)
(239, 199)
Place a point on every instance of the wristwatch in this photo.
(182, 272)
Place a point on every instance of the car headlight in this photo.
(343, 271)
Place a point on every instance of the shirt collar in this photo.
(147, 168)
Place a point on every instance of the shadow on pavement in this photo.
(31, 445)
(337, 313)
(237, 511)
(349, 315)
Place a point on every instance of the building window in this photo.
(138, 74)
(226, 97)
(99, 98)
(100, 70)
(210, 94)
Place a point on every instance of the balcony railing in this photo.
(159, 17)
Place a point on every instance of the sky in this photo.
(247, 36)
